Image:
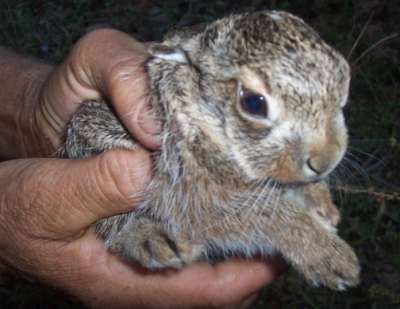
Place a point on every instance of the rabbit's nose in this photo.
(321, 158)
(318, 165)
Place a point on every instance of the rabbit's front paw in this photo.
(319, 200)
(151, 247)
(336, 266)
(161, 252)
(327, 215)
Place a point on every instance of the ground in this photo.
(367, 183)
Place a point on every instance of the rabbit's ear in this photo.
(168, 53)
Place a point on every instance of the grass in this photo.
(368, 195)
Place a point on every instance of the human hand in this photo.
(46, 208)
(104, 64)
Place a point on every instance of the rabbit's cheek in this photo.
(208, 156)
(286, 169)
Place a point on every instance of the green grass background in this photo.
(368, 182)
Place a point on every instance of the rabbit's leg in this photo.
(319, 200)
(145, 242)
(94, 129)
(311, 246)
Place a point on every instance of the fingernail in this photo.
(249, 301)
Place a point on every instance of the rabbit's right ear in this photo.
(168, 53)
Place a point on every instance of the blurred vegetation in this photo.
(367, 183)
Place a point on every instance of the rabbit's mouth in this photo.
(292, 184)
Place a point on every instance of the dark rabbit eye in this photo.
(254, 104)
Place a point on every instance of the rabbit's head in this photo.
(254, 96)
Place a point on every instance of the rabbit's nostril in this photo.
(317, 166)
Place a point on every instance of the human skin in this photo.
(47, 205)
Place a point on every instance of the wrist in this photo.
(3, 269)
(37, 130)
(21, 81)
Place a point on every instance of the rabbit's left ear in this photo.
(168, 53)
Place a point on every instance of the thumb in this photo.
(60, 198)
(109, 64)
(111, 183)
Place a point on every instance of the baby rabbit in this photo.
(252, 122)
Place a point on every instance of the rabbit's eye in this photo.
(254, 104)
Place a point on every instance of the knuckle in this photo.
(86, 50)
(126, 72)
(222, 301)
(119, 59)
(95, 35)
(126, 174)
(217, 298)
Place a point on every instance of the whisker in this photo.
(232, 215)
(266, 202)
(275, 204)
(258, 196)
(256, 208)
(334, 181)
(360, 36)
(356, 166)
(375, 45)
(251, 195)
(367, 154)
